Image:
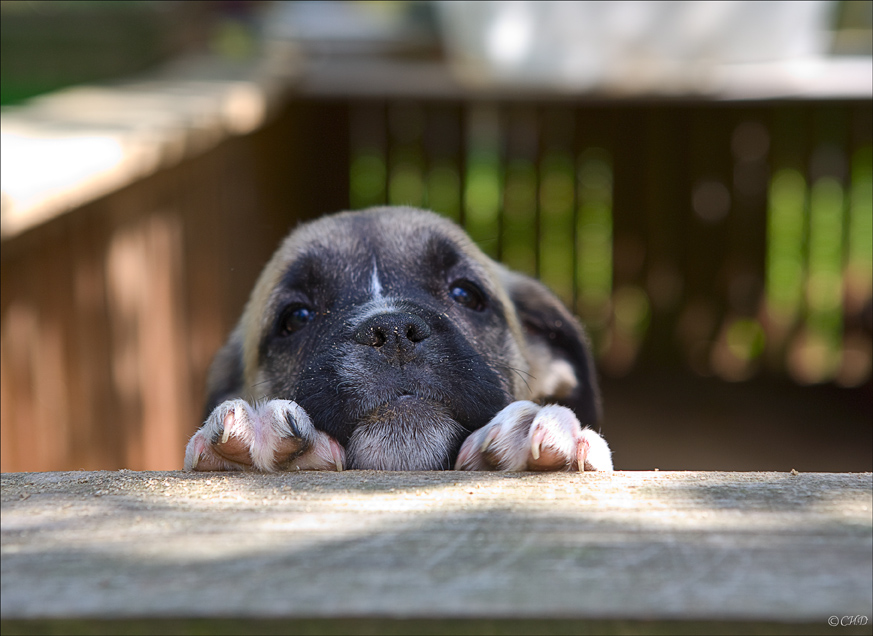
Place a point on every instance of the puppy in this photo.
(385, 339)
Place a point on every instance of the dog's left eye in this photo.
(467, 294)
(295, 318)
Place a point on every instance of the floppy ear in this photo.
(557, 349)
(226, 375)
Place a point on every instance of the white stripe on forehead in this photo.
(379, 303)
(375, 284)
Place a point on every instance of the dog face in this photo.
(399, 337)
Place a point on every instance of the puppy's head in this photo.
(399, 337)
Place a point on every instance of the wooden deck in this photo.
(442, 552)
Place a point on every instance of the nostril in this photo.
(417, 332)
(371, 335)
(399, 327)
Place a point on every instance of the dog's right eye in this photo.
(467, 294)
(295, 318)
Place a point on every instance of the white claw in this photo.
(536, 443)
(489, 437)
(195, 461)
(337, 454)
(226, 434)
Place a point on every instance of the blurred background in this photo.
(695, 180)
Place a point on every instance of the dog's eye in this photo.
(467, 294)
(295, 318)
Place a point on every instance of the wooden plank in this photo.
(660, 549)
(829, 78)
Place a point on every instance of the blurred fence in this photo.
(731, 239)
(111, 312)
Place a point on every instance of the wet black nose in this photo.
(392, 332)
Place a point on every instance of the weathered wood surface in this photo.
(764, 548)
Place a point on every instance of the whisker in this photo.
(521, 373)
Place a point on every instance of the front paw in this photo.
(525, 436)
(274, 435)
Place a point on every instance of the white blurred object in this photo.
(632, 45)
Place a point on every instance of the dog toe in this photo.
(553, 435)
(595, 454)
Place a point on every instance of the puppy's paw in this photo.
(271, 436)
(525, 436)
